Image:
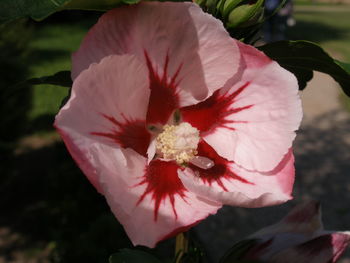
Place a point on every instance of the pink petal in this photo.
(102, 108)
(255, 115)
(230, 184)
(149, 201)
(326, 248)
(201, 60)
(78, 148)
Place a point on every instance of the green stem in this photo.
(181, 246)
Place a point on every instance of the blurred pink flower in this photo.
(170, 118)
(299, 237)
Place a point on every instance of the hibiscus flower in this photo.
(170, 118)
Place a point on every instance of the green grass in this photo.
(330, 29)
(51, 47)
(318, 3)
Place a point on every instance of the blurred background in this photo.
(48, 210)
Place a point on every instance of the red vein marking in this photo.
(219, 171)
(130, 134)
(207, 115)
(163, 98)
(162, 182)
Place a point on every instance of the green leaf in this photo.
(39, 9)
(303, 75)
(61, 78)
(36, 9)
(345, 66)
(131, 2)
(132, 256)
(100, 5)
(302, 57)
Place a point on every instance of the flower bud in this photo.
(245, 15)
(299, 237)
(210, 6)
(228, 6)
